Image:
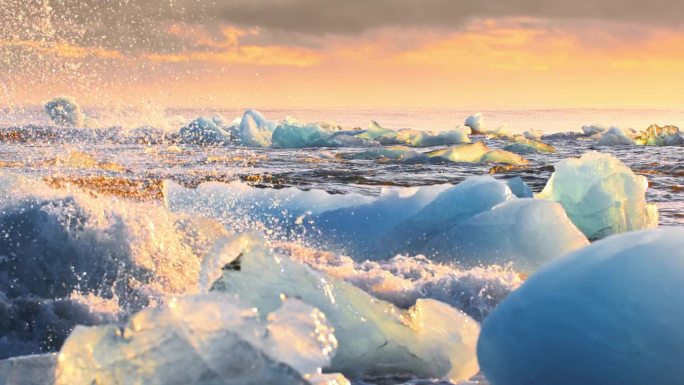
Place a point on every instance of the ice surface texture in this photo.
(431, 339)
(479, 221)
(253, 130)
(654, 135)
(601, 195)
(615, 137)
(200, 340)
(610, 313)
(68, 258)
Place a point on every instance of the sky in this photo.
(344, 53)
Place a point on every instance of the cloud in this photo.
(357, 16)
(143, 25)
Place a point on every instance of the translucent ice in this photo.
(288, 135)
(475, 153)
(661, 136)
(610, 313)
(593, 129)
(469, 224)
(519, 188)
(375, 131)
(203, 131)
(64, 111)
(476, 124)
(480, 221)
(615, 136)
(356, 229)
(253, 130)
(533, 134)
(527, 146)
(415, 138)
(601, 195)
(429, 340)
(207, 339)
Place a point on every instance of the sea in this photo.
(136, 172)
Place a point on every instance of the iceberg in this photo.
(477, 221)
(476, 153)
(661, 136)
(610, 313)
(356, 229)
(615, 136)
(529, 146)
(376, 131)
(533, 134)
(415, 138)
(253, 130)
(202, 340)
(288, 135)
(205, 131)
(430, 340)
(480, 221)
(64, 111)
(519, 188)
(601, 195)
(592, 130)
(476, 124)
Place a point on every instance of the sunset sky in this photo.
(351, 53)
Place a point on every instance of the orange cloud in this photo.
(63, 50)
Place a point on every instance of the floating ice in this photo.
(610, 313)
(533, 134)
(601, 195)
(467, 153)
(356, 229)
(592, 130)
(288, 135)
(64, 111)
(615, 136)
(207, 339)
(527, 146)
(480, 221)
(253, 131)
(476, 124)
(415, 138)
(376, 131)
(476, 153)
(69, 258)
(661, 136)
(429, 340)
(203, 131)
(519, 188)
(469, 224)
